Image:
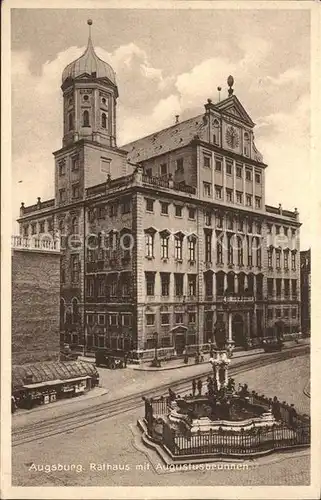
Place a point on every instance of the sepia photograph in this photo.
(161, 230)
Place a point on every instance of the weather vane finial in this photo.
(89, 22)
(230, 82)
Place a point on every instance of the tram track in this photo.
(102, 411)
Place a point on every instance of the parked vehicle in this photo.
(113, 359)
(271, 344)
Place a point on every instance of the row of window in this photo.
(38, 228)
(282, 230)
(286, 313)
(224, 283)
(112, 209)
(275, 255)
(275, 286)
(229, 195)
(111, 319)
(75, 193)
(86, 120)
(110, 287)
(239, 170)
(74, 165)
(253, 245)
(165, 318)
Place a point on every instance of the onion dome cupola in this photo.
(90, 93)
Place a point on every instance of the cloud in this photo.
(291, 75)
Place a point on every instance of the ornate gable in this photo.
(232, 106)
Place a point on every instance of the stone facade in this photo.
(35, 305)
(305, 265)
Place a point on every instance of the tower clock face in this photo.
(232, 137)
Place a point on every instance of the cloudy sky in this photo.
(167, 62)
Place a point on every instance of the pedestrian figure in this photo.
(199, 387)
(193, 387)
(172, 395)
(292, 415)
(125, 360)
(13, 404)
(185, 359)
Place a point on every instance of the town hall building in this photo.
(156, 234)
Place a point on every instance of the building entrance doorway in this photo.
(238, 332)
(179, 335)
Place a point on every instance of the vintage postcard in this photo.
(160, 216)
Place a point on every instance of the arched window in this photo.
(104, 120)
(70, 121)
(75, 311)
(86, 119)
(62, 312)
(75, 225)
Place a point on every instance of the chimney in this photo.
(177, 118)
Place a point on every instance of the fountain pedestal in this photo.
(220, 362)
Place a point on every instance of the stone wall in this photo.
(35, 306)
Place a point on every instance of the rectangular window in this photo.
(208, 246)
(149, 245)
(101, 287)
(62, 195)
(148, 172)
(286, 312)
(179, 284)
(105, 166)
(125, 288)
(126, 319)
(286, 259)
(192, 249)
(163, 169)
(149, 205)
(62, 168)
(207, 189)
(293, 261)
(218, 165)
(208, 278)
(90, 287)
(258, 228)
(240, 225)
(192, 317)
(278, 258)
(207, 161)
(191, 213)
(113, 319)
(294, 313)
(269, 228)
(178, 210)
(150, 319)
(192, 285)
(113, 286)
(239, 251)
(75, 268)
(229, 250)
(277, 229)
(125, 206)
(278, 313)
(248, 200)
(74, 163)
(258, 253)
(164, 246)
(239, 171)
(165, 283)
(101, 319)
(230, 222)
(257, 202)
(150, 283)
(294, 288)
(270, 313)
(90, 319)
(180, 165)
(178, 247)
(218, 192)
(165, 319)
(257, 178)
(270, 282)
(229, 167)
(278, 283)
(229, 195)
(179, 318)
(219, 250)
(164, 208)
(100, 212)
(239, 197)
(249, 251)
(113, 209)
(42, 226)
(248, 174)
(208, 219)
(286, 288)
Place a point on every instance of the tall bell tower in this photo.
(89, 99)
